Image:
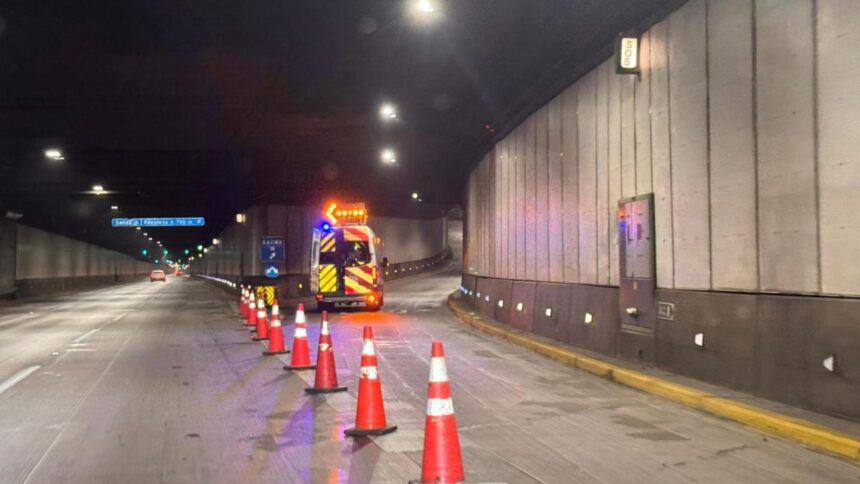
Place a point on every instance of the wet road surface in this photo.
(159, 383)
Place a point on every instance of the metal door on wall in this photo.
(636, 264)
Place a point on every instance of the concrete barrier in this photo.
(818, 437)
(503, 291)
(594, 318)
(556, 323)
(47, 263)
(523, 293)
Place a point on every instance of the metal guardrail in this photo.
(403, 269)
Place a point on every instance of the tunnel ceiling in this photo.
(201, 108)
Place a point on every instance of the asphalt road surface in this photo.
(143, 383)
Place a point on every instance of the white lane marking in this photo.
(17, 377)
(76, 406)
(86, 335)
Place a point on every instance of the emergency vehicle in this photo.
(344, 269)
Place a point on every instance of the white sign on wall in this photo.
(627, 54)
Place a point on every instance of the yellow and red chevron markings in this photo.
(359, 280)
(355, 234)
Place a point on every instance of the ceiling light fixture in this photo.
(388, 156)
(54, 154)
(387, 112)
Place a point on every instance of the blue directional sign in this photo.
(159, 222)
(272, 271)
(272, 249)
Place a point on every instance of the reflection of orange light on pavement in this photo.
(370, 319)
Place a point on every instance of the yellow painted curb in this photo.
(812, 435)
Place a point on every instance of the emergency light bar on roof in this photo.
(346, 214)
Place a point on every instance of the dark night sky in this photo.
(202, 107)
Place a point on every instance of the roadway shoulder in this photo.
(816, 436)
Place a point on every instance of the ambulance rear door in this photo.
(315, 262)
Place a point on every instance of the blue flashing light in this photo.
(326, 226)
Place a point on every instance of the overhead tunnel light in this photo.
(54, 154)
(387, 112)
(424, 11)
(425, 7)
(388, 156)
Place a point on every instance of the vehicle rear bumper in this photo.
(347, 300)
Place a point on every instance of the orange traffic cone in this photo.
(243, 313)
(276, 332)
(262, 321)
(369, 413)
(252, 315)
(325, 379)
(301, 359)
(442, 461)
(300, 313)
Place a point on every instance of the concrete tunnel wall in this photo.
(744, 126)
(238, 254)
(46, 262)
